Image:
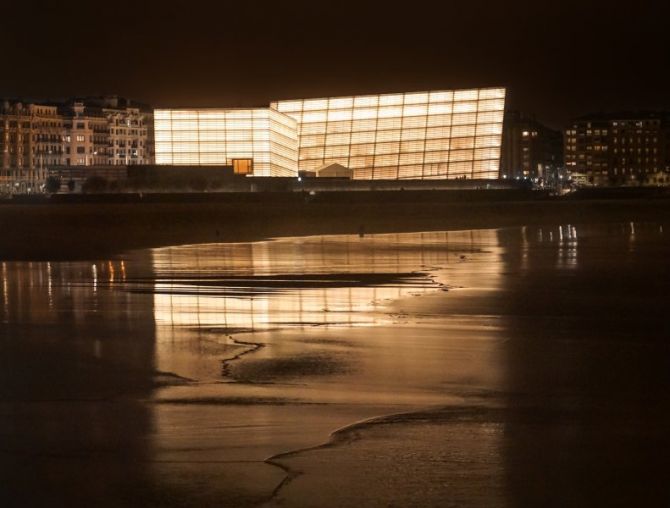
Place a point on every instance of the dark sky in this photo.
(559, 59)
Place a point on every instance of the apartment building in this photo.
(32, 140)
(107, 130)
(530, 150)
(619, 148)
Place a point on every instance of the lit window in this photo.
(243, 166)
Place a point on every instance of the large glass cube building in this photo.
(261, 141)
(413, 135)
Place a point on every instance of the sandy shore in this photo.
(471, 368)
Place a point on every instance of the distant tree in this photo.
(70, 185)
(52, 184)
(94, 184)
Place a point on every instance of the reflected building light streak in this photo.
(293, 307)
(5, 291)
(94, 274)
(567, 247)
(566, 242)
(525, 247)
(285, 299)
(631, 237)
(50, 285)
(97, 348)
(61, 289)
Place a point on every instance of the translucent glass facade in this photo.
(223, 136)
(437, 134)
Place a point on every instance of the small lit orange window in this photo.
(243, 166)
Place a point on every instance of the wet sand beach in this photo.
(521, 366)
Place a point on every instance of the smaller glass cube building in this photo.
(261, 141)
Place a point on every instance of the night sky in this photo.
(558, 59)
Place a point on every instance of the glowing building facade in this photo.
(262, 141)
(438, 134)
(415, 135)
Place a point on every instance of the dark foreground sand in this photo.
(515, 367)
(97, 229)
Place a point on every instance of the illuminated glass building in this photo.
(262, 142)
(414, 135)
(439, 134)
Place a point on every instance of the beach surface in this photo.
(522, 366)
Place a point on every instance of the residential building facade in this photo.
(530, 150)
(39, 136)
(620, 148)
(107, 131)
(86, 136)
(31, 141)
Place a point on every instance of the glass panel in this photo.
(313, 104)
(462, 143)
(365, 100)
(466, 95)
(339, 114)
(437, 144)
(391, 100)
(465, 107)
(416, 98)
(386, 148)
(492, 93)
(446, 96)
(341, 103)
(460, 155)
(338, 139)
(415, 110)
(363, 137)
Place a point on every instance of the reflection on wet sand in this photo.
(340, 281)
(516, 367)
(300, 282)
(68, 355)
(577, 416)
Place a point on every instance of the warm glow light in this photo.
(419, 135)
(438, 134)
(217, 136)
